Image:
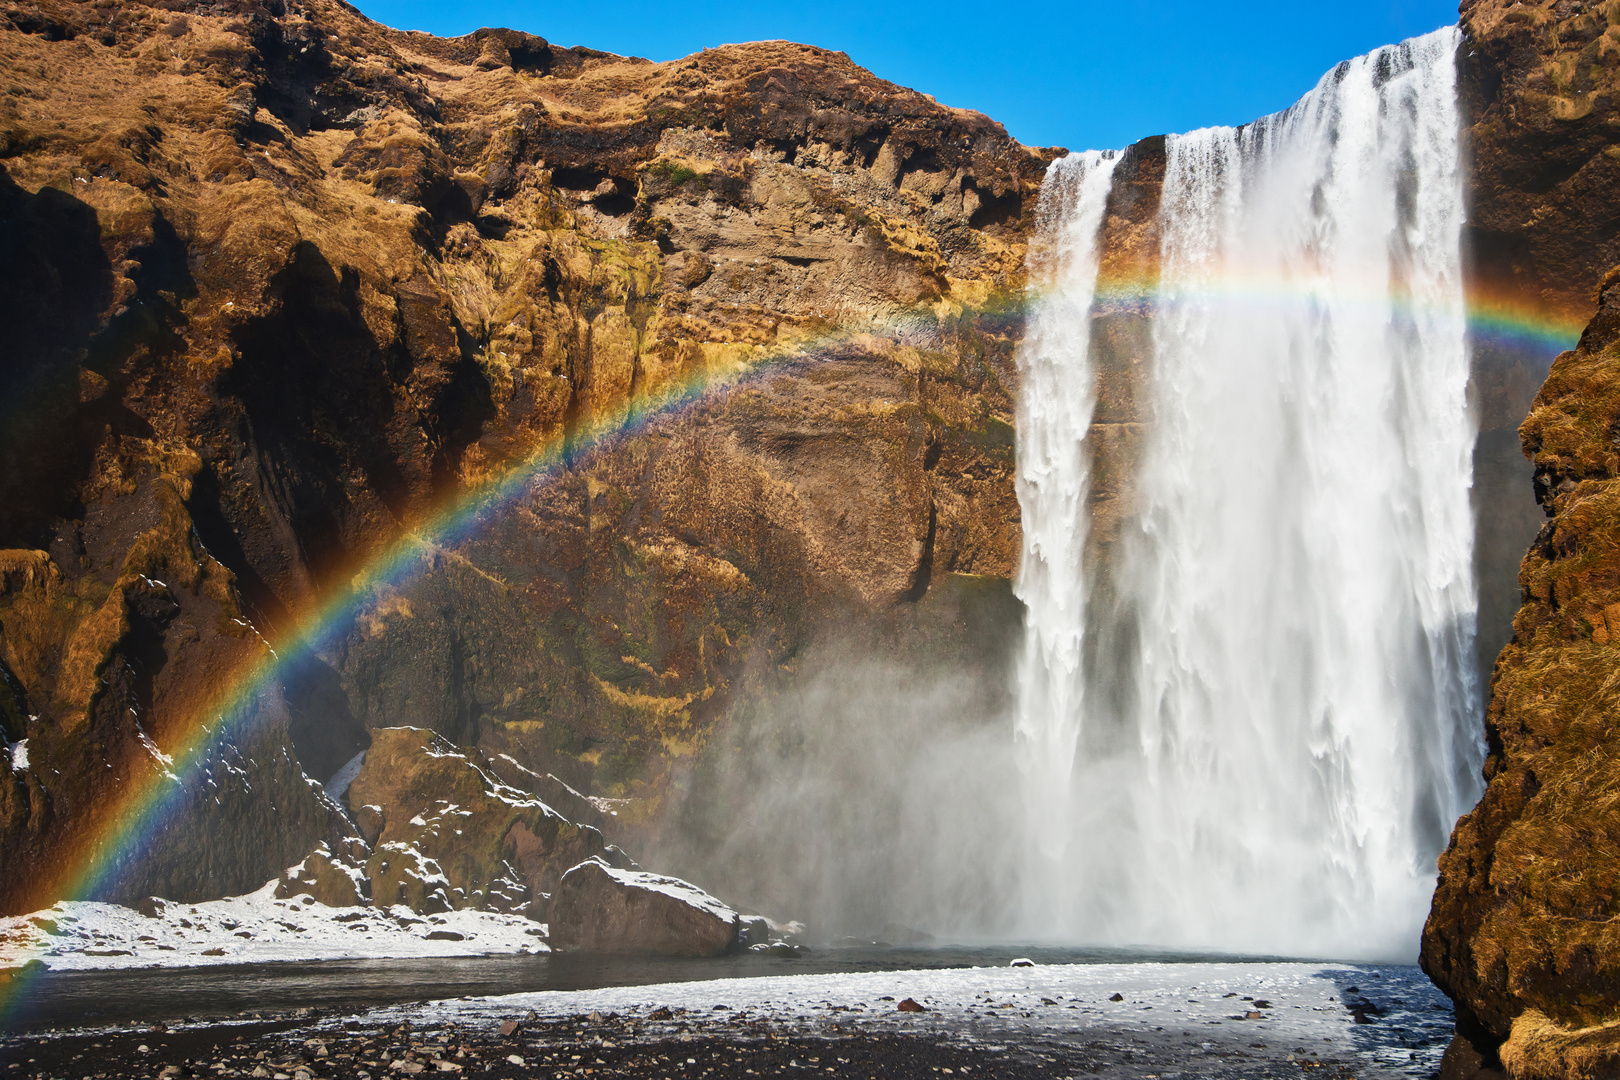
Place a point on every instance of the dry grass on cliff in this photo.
(1567, 430)
(1542, 1049)
(1563, 855)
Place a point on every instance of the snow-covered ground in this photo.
(257, 927)
(1169, 1012)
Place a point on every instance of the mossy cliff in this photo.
(1521, 931)
(279, 281)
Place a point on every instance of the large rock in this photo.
(329, 879)
(1523, 932)
(449, 834)
(601, 909)
(401, 874)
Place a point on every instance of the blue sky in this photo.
(1081, 74)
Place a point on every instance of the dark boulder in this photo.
(598, 908)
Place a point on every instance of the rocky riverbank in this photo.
(1215, 1021)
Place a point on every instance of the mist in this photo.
(864, 796)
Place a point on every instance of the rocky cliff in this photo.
(280, 283)
(1520, 933)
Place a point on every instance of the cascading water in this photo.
(1054, 410)
(1261, 741)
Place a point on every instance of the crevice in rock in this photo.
(923, 575)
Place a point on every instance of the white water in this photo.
(1054, 412)
(1271, 730)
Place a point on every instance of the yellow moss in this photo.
(88, 649)
(1542, 1049)
(650, 704)
(373, 624)
(676, 747)
(24, 569)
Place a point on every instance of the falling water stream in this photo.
(1055, 407)
(1260, 740)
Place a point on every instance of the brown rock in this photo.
(599, 909)
(1463, 1061)
(909, 1005)
(452, 835)
(331, 881)
(1539, 86)
(286, 281)
(400, 874)
(1520, 932)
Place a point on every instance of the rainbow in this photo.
(1502, 318)
(1494, 315)
(140, 810)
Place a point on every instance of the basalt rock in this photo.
(601, 909)
(280, 283)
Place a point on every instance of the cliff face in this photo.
(1520, 933)
(1537, 83)
(1539, 93)
(279, 282)
(1522, 930)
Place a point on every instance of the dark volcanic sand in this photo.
(1031, 1022)
(606, 1047)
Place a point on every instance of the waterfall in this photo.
(1054, 411)
(1261, 741)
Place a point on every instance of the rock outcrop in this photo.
(1518, 934)
(442, 832)
(329, 879)
(1522, 930)
(448, 834)
(280, 284)
(602, 909)
(1540, 94)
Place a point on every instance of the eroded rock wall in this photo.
(1521, 933)
(1518, 931)
(1539, 93)
(281, 282)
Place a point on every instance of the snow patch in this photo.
(19, 755)
(255, 928)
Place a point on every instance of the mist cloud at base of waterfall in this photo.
(860, 795)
